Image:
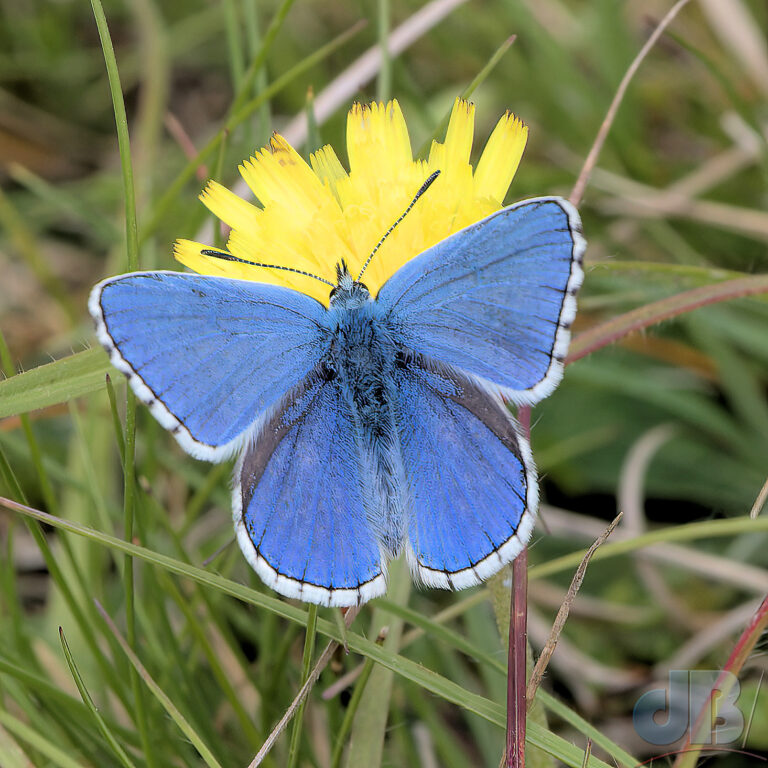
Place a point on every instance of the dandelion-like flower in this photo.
(315, 215)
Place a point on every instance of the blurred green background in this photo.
(670, 425)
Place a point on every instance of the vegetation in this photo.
(132, 633)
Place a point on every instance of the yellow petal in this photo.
(382, 181)
(377, 140)
(458, 137)
(281, 254)
(500, 158)
(453, 192)
(327, 166)
(279, 176)
(230, 208)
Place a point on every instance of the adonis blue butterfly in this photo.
(377, 424)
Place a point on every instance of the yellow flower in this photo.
(313, 216)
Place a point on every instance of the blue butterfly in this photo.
(377, 424)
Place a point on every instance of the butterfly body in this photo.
(374, 425)
(361, 360)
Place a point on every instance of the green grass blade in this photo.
(439, 631)
(47, 690)
(366, 742)
(477, 81)
(54, 383)
(119, 436)
(249, 78)
(565, 713)
(306, 666)
(263, 126)
(426, 678)
(383, 24)
(350, 712)
(161, 696)
(121, 754)
(124, 145)
(132, 250)
(37, 741)
(198, 631)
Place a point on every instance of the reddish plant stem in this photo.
(516, 678)
(606, 333)
(744, 646)
(518, 644)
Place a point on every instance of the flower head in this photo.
(313, 216)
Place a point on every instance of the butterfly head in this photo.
(348, 293)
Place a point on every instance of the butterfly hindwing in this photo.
(496, 299)
(208, 355)
(471, 479)
(298, 502)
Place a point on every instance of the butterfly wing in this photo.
(496, 299)
(470, 475)
(298, 502)
(208, 355)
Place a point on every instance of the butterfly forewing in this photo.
(496, 299)
(209, 355)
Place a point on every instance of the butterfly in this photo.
(375, 425)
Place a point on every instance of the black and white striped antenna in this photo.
(230, 257)
(422, 189)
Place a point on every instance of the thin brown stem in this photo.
(321, 664)
(602, 134)
(562, 614)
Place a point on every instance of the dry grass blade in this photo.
(713, 567)
(366, 67)
(643, 202)
(707, 640)
(178, 132)
(579, 671)
(631, 482)
(602, 134)
(762, 497)
(562, 614)
(321, 664)
(733, 23)
(587, 754)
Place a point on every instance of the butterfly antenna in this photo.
(230, 257)
(422, 189)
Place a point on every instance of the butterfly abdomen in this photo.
(362, 354)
